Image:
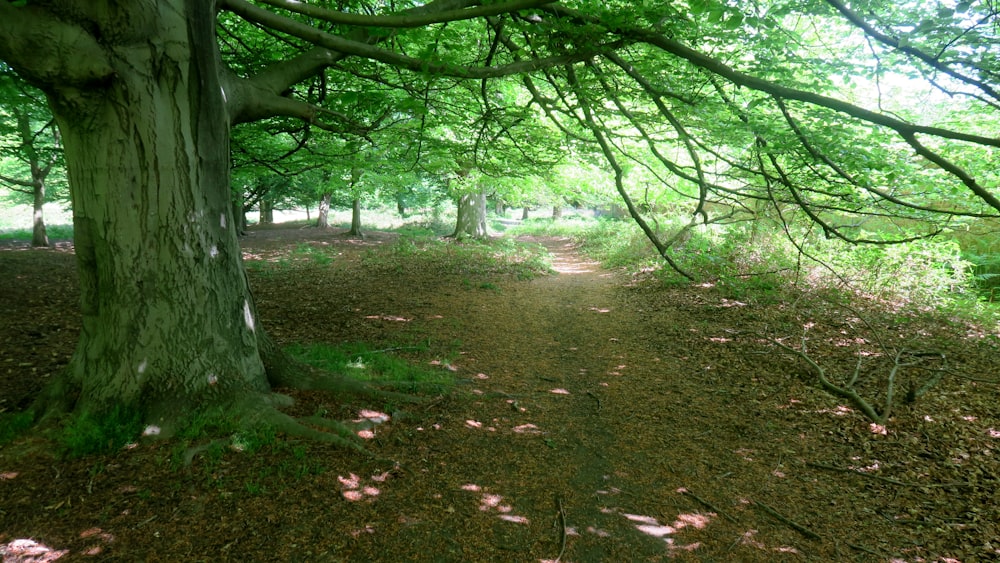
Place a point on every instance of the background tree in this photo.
(30, 149)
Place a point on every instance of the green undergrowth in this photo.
(14, 424)
(362, 362)
(757, 262)
(54, 232)
(83, 434)
(490, 257)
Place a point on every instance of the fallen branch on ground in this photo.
(887, 479)
(562, 534)
(707, 504)
(792, 524)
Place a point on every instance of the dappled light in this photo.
(651, 526)
(495, 504)
(29, 551)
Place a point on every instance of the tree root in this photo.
(338, 435)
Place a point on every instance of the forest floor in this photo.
(598, 416)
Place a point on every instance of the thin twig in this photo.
(888, 479)
(794, 525)
(710, 506)
(562, 535)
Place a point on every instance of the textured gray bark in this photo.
(323, 217)
(168, 318)
(471, 218)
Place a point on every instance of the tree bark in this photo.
(323, 215)
(168, 318)
(471, 219)
(266, 211)
(557, 211)
(356, 219)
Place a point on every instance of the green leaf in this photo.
(734, 21)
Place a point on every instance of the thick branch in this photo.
(47, 51)
(316, 37)
(424, 17)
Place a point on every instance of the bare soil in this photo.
(599, 416)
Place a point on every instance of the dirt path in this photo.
(598, 418)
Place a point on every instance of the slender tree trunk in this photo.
(323, 215)
(168, 318)
(356, 219)
(239, 215)
(355, 205)
(39, 236)
(400, 205)
(557, 211)
(524, 212)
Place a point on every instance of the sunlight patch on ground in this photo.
(651, 526)
(494, 503)
(527, 429)
(748, 539)
(393, 318)
(353, 489)
(23, 550)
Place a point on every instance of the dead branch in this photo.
(888, 479)
(846, 393)
(562, 533)
(791, 523)
(707, 504)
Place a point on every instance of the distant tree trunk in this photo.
(557, 211)
(524, 213)
(266, 211)
(499, 207)
(355, 205)
(323, 216)
(356, 219)
(239, 215)
(401, 205)
(471, 220)
(39, 236)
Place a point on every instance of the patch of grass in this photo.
(492, 257)
(363, 363)
(54, 232)
(98, 433)
(14, 424)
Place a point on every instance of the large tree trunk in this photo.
(471, 220)
(168, 318)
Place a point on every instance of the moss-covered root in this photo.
(336, 433)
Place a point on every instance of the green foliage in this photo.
(90, 433)
(13, 424)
